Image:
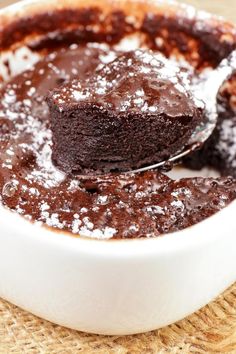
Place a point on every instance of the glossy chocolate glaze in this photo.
(115, 206)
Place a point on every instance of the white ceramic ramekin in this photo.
(115, 287)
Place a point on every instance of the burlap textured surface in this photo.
(210, 330)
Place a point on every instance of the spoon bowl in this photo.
(206, 90)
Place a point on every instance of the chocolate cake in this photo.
(115, 205)
(134, 111)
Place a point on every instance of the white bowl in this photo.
(115, 287)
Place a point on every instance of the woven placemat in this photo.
(210, 330)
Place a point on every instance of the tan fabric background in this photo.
(210, 330)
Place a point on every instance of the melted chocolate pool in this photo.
(114, 206)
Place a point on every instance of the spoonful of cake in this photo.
(134, 114)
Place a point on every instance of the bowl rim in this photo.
(167, 243)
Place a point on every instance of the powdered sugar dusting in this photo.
(112, 79)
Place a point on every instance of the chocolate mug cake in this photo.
(43, 148)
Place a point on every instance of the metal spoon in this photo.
(207, 91)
